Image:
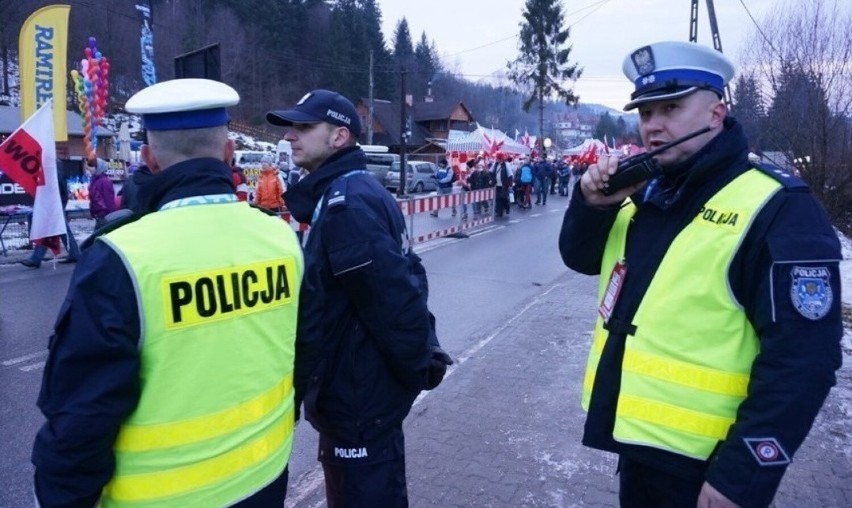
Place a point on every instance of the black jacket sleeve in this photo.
(584, 234)
(385, 282)
(799, 344)
(90, 384)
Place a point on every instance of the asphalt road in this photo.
(476, 284)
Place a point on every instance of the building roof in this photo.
(437, 110)
(387, 114)
(10, 119)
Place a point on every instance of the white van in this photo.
(249, 158)
(379, 161)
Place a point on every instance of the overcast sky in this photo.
(478, 37)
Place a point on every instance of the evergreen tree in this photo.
(403, 49)
(543, 63)
(348, 66)
(802, 126)
(749, 110)
(798, 112)
(384, 75)
(607, 127)
(425, 67)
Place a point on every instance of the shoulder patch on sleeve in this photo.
(786, 178)
(810, 291)
(767, 451)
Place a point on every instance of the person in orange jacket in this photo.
(268, 193)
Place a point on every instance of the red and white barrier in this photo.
(299, 227)
(413, 206)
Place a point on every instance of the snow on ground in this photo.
(846, 269)
(841, 396)
(846, 292)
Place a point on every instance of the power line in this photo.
(759, 30)
(596, 5)
(513, 36)
(599, 5)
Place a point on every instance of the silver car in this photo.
(421, 176)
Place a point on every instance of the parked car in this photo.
(421, 176)
(378, 164)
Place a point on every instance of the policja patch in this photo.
(810, 291)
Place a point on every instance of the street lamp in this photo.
(547, 144)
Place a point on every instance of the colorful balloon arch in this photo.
(91, 83)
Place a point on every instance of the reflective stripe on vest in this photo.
(214, 423)
(686, 369)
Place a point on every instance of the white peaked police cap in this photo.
(181, 104)
(673, 69)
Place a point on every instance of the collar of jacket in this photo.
(728, 151)
(194, 177)
(302, 197)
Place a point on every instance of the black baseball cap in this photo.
(319, 106)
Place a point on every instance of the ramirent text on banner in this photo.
(28, 156)
(43, 50)
(146, 42)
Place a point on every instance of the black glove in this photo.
(438, 367)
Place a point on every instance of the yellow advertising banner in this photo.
(43, 50)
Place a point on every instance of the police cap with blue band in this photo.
(671, 70)
(182, 104)
(319, 106)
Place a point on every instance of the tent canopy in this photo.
(490, 141)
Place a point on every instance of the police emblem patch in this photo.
(767, 451)
(643, 60)
(810, 291)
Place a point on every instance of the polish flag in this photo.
(28, 156)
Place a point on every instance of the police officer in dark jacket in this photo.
(366, 343)
(719, 321)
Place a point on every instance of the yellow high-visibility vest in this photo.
(218, 289)
(686, 369)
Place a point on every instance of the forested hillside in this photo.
(272, 52)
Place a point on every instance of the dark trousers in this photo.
(365, 474)
(643, 486)
(501, 201)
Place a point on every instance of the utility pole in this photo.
(714, 31)
(403, 135)
(370, 105)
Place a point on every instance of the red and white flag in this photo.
(28, 156)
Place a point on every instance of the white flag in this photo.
(28, 157)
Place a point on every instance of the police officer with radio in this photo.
(719, 324)
(366, 344)
(170, 374)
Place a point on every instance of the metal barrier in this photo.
(14, 231)
(416, 205)
(413, 206)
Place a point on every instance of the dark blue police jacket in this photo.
(365, 333)
(794, 369)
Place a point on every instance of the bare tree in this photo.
(802, 56)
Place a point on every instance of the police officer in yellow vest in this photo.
(718, 330)
(170, 375)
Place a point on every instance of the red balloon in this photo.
(88, 52)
